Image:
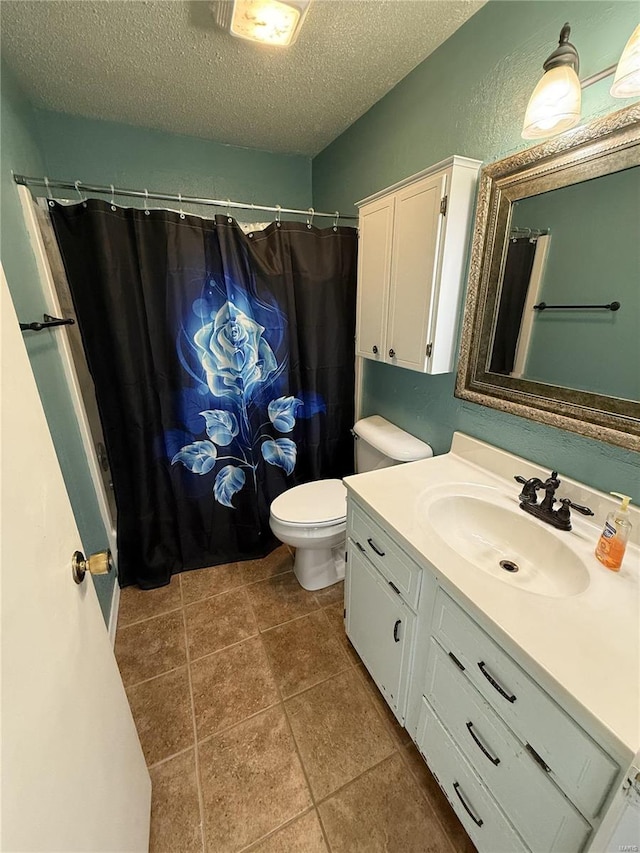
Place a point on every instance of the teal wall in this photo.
(19, 151)
(104, 152)
(36, 142)
(593, 258)
(469, 98)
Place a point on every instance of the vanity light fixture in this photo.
(275, 22)
(626, 83)
(555, 103)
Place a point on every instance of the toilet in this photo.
(313, 517)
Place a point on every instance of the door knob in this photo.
(98, 564)
(392, 353)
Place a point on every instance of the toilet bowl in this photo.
(313, 517)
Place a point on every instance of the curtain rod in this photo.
(79, 187)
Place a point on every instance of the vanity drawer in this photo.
(574, 760)
(399, 570)
(542, 814)
(488, 827)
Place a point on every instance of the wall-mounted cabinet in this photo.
(413, 248)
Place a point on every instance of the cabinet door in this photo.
(414, 269)
(380, 626)
(374, 270)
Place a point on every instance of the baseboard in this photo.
(113, 615)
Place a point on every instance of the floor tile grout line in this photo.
(339, 790)
(296, 747)
(204, 740)
(168, 758)
(425, 796)
(153, 677)
(148, 618)
(272, 832)
(288, 621)
(203, 837)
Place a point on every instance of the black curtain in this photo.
(517, 274)
(224, 372)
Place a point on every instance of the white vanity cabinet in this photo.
(411, 265)
(519, 771)
(381, 591)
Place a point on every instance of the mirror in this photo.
(552, 321)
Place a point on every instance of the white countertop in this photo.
(585, 648)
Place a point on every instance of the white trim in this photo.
(52, 305)
(528, 314)
(456, 160)
(113, 615)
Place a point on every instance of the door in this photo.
(374, 269)
(73, 774)
(416, 242)
(380, 626)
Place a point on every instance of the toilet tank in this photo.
(380, 444)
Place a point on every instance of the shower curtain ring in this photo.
(180, 203)
(278, 215)
(49, 196)
(113, 201)
(82, 198)
(147, 212)
(310, 221)
(335, 221)
(229, 219)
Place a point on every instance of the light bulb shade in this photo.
(626, 83)
(275, 22)
(554, 105)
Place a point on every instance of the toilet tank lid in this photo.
(390, 440)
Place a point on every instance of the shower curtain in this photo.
(223, 366)
(515, 284)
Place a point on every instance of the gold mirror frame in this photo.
(601, 147)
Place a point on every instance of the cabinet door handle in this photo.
(377, 550)
(375, 349)
(392, 353)
(481, 747)
(361, 548)
(396, 636)
(478, 821)
(494, 683)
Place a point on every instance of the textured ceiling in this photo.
(163, 64)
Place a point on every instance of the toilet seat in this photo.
(321, 503)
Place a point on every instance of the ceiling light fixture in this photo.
(555, 103)
(275, 22)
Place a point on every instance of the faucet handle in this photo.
(567, 502)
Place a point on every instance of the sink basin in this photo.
(506, 543)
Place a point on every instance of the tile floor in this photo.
(262, 730)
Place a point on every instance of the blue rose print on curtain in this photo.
(230, 356)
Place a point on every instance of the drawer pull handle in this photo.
(478, 821)
(377, 550)
(394, 588)
(396, 636)
(456, 661)
(361, 548)
(537, 758)
(495, 684)
(481, 747)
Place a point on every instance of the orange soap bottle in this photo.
(613, 540)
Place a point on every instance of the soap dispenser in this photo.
(613, 540)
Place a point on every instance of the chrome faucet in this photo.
(559, 518)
